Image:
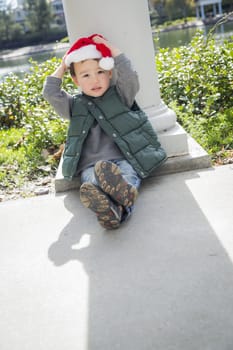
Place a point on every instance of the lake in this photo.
(21, 64)
(170, 39)
(176, 38)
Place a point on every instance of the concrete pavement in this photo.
(164, 281)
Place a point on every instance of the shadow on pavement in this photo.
(163, 281)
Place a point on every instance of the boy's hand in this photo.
(61, 69)
(100, 40)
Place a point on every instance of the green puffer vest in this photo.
(130, 130)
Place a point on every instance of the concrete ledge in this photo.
(197, 158)
(62, 185)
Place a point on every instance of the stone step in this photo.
(197, 158)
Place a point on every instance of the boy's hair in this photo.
(72, 71)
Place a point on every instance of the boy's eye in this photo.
(100, 71)
(85, 76)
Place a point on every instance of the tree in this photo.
(5, 25)
(38, 16)
(173, 9)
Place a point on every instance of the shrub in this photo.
(197, 82)
(28, 124)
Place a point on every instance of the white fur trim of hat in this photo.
(85, 48)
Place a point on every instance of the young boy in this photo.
(110, 141)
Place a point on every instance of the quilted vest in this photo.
(130, 130)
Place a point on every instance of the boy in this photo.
(110, 142)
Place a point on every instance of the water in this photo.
(20, 65)
(170, 39)
(180, 37)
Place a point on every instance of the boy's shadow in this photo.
(80, 234)
(74, 239)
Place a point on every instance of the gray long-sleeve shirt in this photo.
(98, 145)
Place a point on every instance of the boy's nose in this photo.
(95, 77)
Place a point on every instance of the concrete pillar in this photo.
(220, 7)
(202, 12)
(214, 10)
(126, 23)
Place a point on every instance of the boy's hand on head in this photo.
(63, 63)
(100, 40)
(61, 69)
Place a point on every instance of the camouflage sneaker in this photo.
(108, 214)
(109, 178)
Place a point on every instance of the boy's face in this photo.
(93, 80)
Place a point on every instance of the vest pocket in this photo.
(136, 141)
(76, 125)
(150, 158)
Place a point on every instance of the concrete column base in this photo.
(174, 141)
(183, 151)
(172, 136)
(161, 117)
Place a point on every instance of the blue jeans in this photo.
(127, 172)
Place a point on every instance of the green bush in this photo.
(197, 82)
(28, 124)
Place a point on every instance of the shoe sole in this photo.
(93, 199)
(109, 178)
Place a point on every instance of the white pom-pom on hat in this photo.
(107, 63)
(85, 48)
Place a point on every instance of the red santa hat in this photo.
(86, 48)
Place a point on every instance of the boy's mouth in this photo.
(97, 88)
